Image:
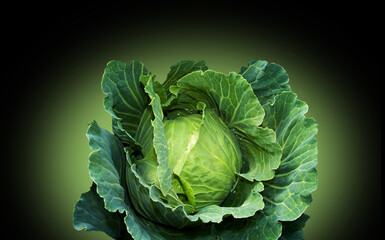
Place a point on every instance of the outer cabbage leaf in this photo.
(258, 227)
(99, 208)
(230, 95)
(125, 99)
(293, 230)
(177, 71)
(107, 166)
(261, 153)
(180, 69)
(91, 215)
(287, 195)
(124, 136)
(242, 205)
(266, 79)
(234, 101)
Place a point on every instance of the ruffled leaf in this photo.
(107, 167)
(288, 194)
(243, 202)
(125, 98)
(124, 136)
(180, 69)
(230, 95)
(258, 227)
(293, 230)
(262, 155)
(90, 214)
(266, 79)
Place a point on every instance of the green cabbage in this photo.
(202, 155)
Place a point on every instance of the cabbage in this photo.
(202, 155)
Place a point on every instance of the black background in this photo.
(36, 34)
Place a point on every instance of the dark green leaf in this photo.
(124, 136)
(90, 214)
(125, 98)
(180, 69)
(293, 230)
(288, 194)
(107, 167)
(266, 79)
(258, 227)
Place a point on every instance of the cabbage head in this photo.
(200, 155)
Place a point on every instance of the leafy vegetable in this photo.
(203, 155)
